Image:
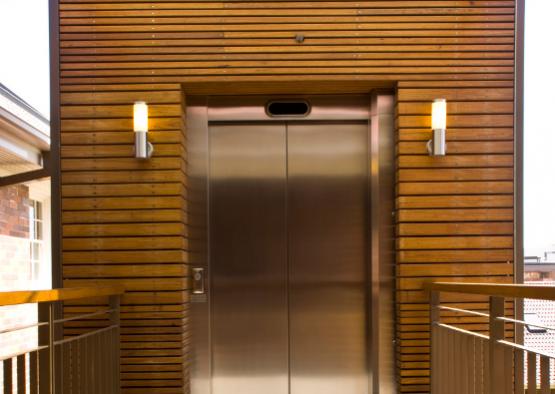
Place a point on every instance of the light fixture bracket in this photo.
(143, 148)
(437, 145)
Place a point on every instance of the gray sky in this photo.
(25, 70)
(539, 132)
(24, 65)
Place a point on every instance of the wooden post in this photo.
(496, 351)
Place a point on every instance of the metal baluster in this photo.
(45, 338)
(440, 364)
(444, 361)
(433, 359)
(450, 360)
(92, 358)
(8, 384)
(435, 335)
(75, 357)
(66, 368)
(466, 343)
(57, 333)
(98, 362)
(532, 373)
(454, 361)
(478, 366)
(457, 362)
(463, 346)
(105, 364)
(84, 373)
(115, 319)
(486, 363)
(508, 367)
(112, 361)
(519, 371)
(545, 375)
(33, 372)
(21, 374)
(93, 364)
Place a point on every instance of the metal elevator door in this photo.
(288, 256)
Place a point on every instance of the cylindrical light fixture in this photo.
(143, 148)
(437, 146)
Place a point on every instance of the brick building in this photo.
(24, 213)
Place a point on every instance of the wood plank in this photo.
(127, 271)
(455, 174)
(124, 243)
(450, 188)
(452, 229)
(460, 134)
(468, 242)
(455, 161)
(281, 11)
(455, 201)
(493, 289)
(124, 216)
(454, 256)
(454, 215)
(129, 5)
(408, 270)
(66, 294)
(456, 147)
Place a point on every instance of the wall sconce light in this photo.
(143, 148)
(437, 146)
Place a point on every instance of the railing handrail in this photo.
(495, 289)
(61, 359)
(503, 372)
(62, 294)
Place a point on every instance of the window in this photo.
(36, 237)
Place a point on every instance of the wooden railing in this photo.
(485, 361)
(77, 352)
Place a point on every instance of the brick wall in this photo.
(14, 211)
(15, 268)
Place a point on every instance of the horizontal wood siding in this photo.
(126, 221)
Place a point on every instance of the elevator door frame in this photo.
(377, 109)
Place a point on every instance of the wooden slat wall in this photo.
(455, 214)
(125, 220)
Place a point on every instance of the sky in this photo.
(24, 66)
(539, 128)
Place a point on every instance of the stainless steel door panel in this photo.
(327, 214)
(197, 253)
(248, 259)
